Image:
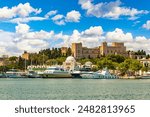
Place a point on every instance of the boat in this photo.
(14, 73)
(32, 74)
(55, 72)
(104, 74)
(78, 72)
(145, 76)
(2, 75)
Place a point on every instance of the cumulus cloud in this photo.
(111, 10)
(22, 13)
(72, 16)
(24, 39)
(22, 10)
(7, 45)
(118, 35)
(131, 42)
(147, 25)
(22, 28)
(90, 37)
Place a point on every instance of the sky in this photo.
(33, 25)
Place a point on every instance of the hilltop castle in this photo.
(78, 51)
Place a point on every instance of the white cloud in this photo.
(90, 37)
(22, 28)
(132, 43)
(23, 39)
(57, 17)
(112, 10)
(73, 16)
(93, 31)
(7, 43)
(51, 13)
(118, 36)
(22, 10)
(42, 35)
(147, 25)
(32, 45)
(26, 19)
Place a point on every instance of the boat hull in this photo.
(56, 75)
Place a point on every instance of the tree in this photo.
(68, 52)
(116, 58)
(130, 66)
(106, 63)
(51, 62)
(135, 66)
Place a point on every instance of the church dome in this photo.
(70, 59)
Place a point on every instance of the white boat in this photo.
(13, 73)
(32, 74)
(146, 76)
(104, 74)
(55, 72)
(82, 71)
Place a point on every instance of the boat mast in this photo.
(25, 64)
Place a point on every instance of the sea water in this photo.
(74, 89)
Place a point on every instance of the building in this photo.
(64, 50)
(2, 62)
(25, 55)
(145, 62)
(115, 48)
(133, 55)
(78, 51)
(71, 64)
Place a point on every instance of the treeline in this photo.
(43, 57)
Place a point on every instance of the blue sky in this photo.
(87, 21)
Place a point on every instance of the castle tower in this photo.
(77, 50)
(103, 49)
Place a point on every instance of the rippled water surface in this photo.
(62, 89)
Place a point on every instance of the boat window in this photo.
(56, 68)
(51, 68)
(61, 69)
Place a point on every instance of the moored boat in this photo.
(2, 75)
(13, 73)
(104, 74)
(55, 72)
(32, 74)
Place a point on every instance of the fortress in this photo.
(78, 51)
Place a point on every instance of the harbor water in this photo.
(74, 89)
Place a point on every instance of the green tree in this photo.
(116, 58)
(51, 62)
(106, 63)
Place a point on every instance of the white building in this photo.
(70, 63)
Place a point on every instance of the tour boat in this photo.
(104, 74)
(55, 72)
(33, 74)
(13, 73)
